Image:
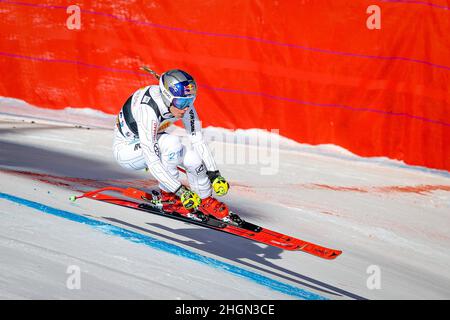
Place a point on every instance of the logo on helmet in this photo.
(189, 89)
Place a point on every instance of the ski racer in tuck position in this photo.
(141, 141)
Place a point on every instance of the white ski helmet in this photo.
(178, 88)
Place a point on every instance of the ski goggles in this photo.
(182, 102)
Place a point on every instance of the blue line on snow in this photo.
(168, 247)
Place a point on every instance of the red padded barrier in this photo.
(311, 69)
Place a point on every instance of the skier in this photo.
(140, 142)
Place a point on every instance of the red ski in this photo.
(152, 204)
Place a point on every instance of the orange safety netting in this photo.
(311, 69)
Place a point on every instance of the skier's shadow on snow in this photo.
(236, 249)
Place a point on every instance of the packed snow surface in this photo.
(391, 220)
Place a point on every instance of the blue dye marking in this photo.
(170, 248)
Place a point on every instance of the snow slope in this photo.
(378, 211)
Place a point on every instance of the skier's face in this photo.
(177, 112)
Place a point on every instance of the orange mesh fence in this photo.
(312, 69)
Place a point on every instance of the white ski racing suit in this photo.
(140, 142)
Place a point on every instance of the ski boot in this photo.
(213, 207)
(219, 210)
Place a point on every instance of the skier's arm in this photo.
(147, 124)
(193, 127)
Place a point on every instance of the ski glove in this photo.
(189, 199)
(219, 184)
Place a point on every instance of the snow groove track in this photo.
(167, 247)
